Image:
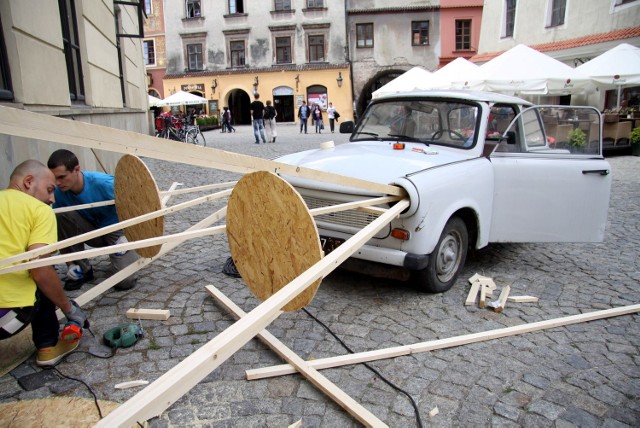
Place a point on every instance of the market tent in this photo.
(524, 70)
(410, 80)
(154, 101)
(617, 67)
(183, 98)
(459, 70)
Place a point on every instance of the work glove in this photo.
(76, 315)
(74, 272)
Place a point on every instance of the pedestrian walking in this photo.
(270, 115)
(226, 121)
(333, 116)
(257, 111)
(317, 117)
(303, 113)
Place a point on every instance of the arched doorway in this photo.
(240, 106)
(284, 103)
(199, 108)
(376, 82)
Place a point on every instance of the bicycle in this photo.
(194, 136)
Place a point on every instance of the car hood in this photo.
(372, 161)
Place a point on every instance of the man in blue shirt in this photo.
(76, 187)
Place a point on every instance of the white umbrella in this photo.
(524, 70)
(617, 67)
(183, 98)
(154, 101)
(459, 70)
(407, 81)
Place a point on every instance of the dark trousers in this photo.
(43, 319)
(332, 124)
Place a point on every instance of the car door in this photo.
(551, 188)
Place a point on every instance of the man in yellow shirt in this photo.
(27, 222)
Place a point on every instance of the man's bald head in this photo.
(34, 178)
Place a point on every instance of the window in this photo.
(237, 53)
(364, 35)
(147, 7)
(314, 4)
(283, 5)
(283, 50)
(193, 9)
(71, 43)
(558, 8)
(236, 6)
(194, 56)
(419, 33)
(149, 51)
(316, 49)
(6, 90)
(510, 17)
(463, 34)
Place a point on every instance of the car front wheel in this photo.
(447, 259)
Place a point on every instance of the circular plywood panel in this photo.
(272, 236)
(54, 412)
(136, 193)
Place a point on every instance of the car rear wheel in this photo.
(447, 259)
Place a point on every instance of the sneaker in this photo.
(75, 284)
(127, 284)
(49, 357)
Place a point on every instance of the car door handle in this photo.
(596, 171)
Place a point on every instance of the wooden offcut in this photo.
(148, 314)
(272, 236)
(136, 193)
(522, 299)
(498, 305)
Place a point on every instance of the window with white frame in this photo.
(236, 47)
(236, 6)
(283, 50)
(193, 8)
(194, 57)
(149, 51)
(509, 17)
(364, 35)
(557, 12)
(419, 33)
(282, 5)
(463, 34)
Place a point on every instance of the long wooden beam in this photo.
(397, 351)
(43, 127)
(168, 388)
(311, 374)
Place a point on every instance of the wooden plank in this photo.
(83, 206)
(167, 194)
(499, 304)
(197, 189)
(522, 299)
(380, 354)
(473, 293)
(366, 204)
(44, 127)
(158, 396)
(311, 374)
(487, 286)
(148, 314)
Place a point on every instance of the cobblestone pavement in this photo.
(584, 375)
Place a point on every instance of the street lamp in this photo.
(339, 79)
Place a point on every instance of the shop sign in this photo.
(193, 87)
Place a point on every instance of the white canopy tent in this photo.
(183, 98)
(154, 101)
(524, 70)
(416, 78)
(615, 68)
(459, 70)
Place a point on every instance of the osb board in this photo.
(14, 350)
(53, 412)
(136, 193)
(272, 236)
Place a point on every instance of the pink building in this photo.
(459, 29)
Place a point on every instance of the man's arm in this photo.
(49, 284)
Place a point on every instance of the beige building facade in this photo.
(63, 58)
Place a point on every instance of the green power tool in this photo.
(123, 336)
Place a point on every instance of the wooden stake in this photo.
(316, 378)
(343, 360)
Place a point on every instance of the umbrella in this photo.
(183, 98)
(524, 70)
(154, 102)
(617, 67)
(407, 81)
(459, 70)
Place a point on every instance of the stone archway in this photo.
(375, 83)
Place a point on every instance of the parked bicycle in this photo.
(175, 128)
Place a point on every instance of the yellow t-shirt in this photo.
(24, 221)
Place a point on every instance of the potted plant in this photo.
(634, 139)
(577, 140)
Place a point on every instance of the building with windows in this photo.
(73, 59)
(153, 47)
(460, 22)
(570, 31)
(285, 50)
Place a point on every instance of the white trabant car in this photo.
(478, 168)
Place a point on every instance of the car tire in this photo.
(447, 259)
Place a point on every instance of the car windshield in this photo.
(440, 122)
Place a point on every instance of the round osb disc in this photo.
(136, 193)
(272, 236)
(54, 412)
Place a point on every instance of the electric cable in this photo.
(95, 397)
(373, 369)
(230, 269)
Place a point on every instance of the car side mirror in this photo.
(347, 127)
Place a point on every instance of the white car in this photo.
(478, 168)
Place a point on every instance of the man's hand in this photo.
(77, 315)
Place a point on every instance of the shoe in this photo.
(75, 284)
(257, 142)
(49, 357)
(126, 284)
(274, 140)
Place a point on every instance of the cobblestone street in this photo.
(583, 375)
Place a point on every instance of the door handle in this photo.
(597, 171)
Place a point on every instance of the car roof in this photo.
(490, 97)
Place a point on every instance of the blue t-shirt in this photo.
(98, 187)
